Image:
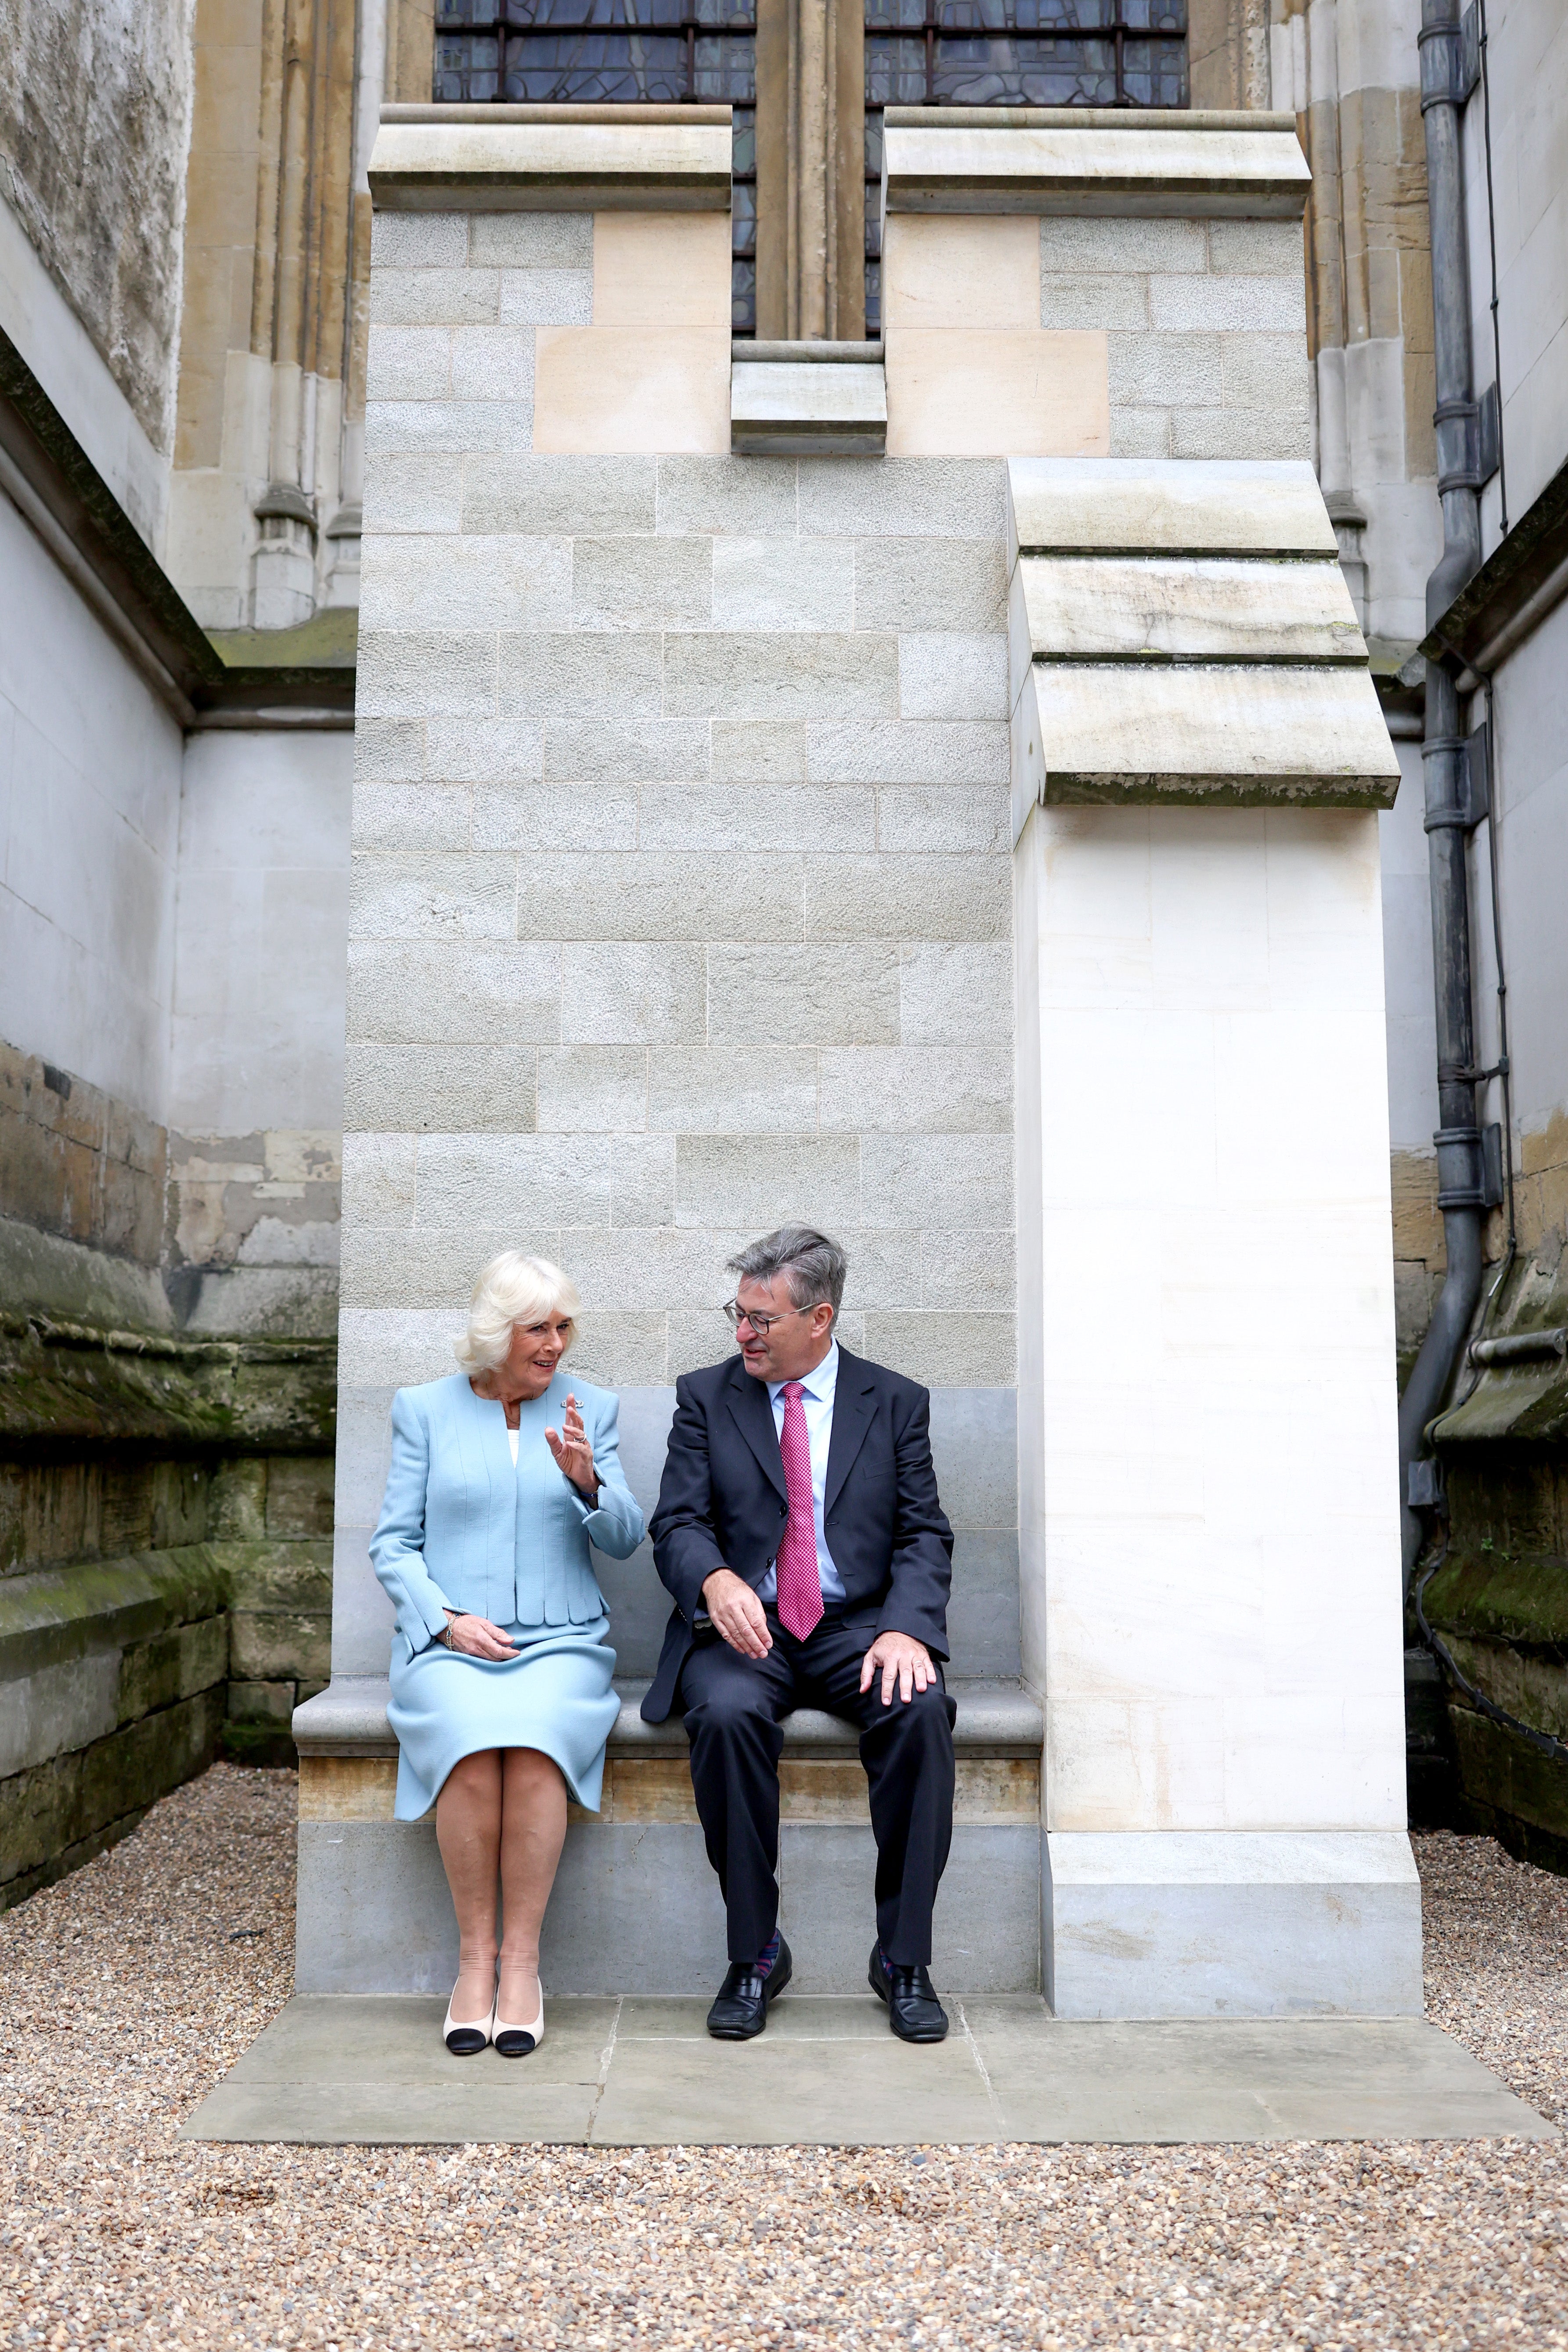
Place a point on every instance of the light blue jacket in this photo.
(462, 1529)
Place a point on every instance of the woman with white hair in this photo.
(502, 1476)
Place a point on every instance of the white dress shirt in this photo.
(816, 1400)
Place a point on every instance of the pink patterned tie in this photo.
(800, 1587)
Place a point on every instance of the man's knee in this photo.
(924, 1720)
(729, 1707)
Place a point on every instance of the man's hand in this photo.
(900, 1658)
(739, 1614)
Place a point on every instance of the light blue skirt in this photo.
(554, 1696)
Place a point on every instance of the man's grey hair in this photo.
(813, 1266)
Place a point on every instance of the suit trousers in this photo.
(734, 1710)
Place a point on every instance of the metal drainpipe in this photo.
(1461, 1195)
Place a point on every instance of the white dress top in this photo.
(512, 1437)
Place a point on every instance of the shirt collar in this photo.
(818, 1384)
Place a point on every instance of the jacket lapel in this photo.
(752, 1410)
(854, 1407)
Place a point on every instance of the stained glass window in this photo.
(607, 52)
(1011, 53)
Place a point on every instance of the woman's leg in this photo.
(534, 1828)
(469, 1832)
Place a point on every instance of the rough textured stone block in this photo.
(648, 752)
(1256, 249)
(653, 896)
(944, 497)
(413, 492)
(1089, 299)
(1139, 432)
(1239, 433)
(1265, 371)
(944, 817)
(487, 751)
(718, 817)
(716, 1090)
(907, 897)
(427, 673)
(949, 995)
(483, 428)
(757, 751)
(573, 495)
(410, 816)
(589, 816)
(546, 298)
(491, 362)
(593, 1089)
(781, 996)
(758, 1182)
(497, 1180)
(1206, 305)
(433, 898)
(634, 583)
(937, 1180)
(1164, 370)
(970, 1350)
(916, 751)
(784, 584)
(389, 1269)
(593, 675)
(419, 240)
(1121, 245)
(930, 583)
(463, 1088)
(422, 991)
(803, 675)
(642, 1180)
(378, 1180)
(644, 1268)
(470, 582)
(433, 297)
(917, 1090)
(409, 362)
(626, 993)
(389, 751)
(751, 495)
(527, 240)
(953, 675)
(967, 1270)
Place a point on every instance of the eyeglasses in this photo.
(761, 1324)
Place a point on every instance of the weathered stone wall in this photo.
(94, 110)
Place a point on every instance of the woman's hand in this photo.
(477, 1637)
(573, 1454)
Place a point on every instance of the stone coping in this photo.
(1083, 118)
(1056, 162)
(1166, 505)
(552, 159)
(790, 407)
(995, 1718)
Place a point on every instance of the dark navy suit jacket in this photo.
(722, 1503)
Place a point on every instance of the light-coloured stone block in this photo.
(717, 817)
(917, 1090)
(604, 390)
(950, 674)
(481, 429)
(959, 271)
(930, 583)
(740, 497)
(493, 1181)
(632, 583)
(784, 584)
(784, 996)
(409, 362)
(661, 269)
(577, 496)
(973, 1271)
(717, 1090)
(1256, 249)
(937, 1180)
(586, 676)
(1232, 1924)
(433, 297)
(385, 1268)
(972, 1349)
(1265, 371)
(649, 751)
(461, 992)
(410, 816)
(419, 240)
(404, 491)
(545, 298)
(1123, 247)
(758, 751)
(911, 751)
(1258, 432)
(529, 240)
(805, 675)
(950, 995)
(484, 751)
(982, 393)
(519, 817)
(1192, 608)
(1139, 432)
(759, 1182)
(461, 1089)
(643, 1269)
(553, 164)
(1209, 304)
(378, 1180)
(593, 1089)
(632, 992)
(642, 1180)
(433, 897)
(469, 582)
(1212, 509)
(906, 898)
(656, 897)
(1082, 299)
(951, 817)
(427, 673)
(389, 751)
(1002, 166)
(812, 407)
(493, 362)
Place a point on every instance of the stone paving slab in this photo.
(335, 2071)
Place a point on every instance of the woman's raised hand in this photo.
(573, 1454)
(477, 1637)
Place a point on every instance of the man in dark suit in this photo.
(800, 1532)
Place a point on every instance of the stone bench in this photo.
(636, 1907)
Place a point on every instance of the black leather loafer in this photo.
(914, 2012)
(741, 2011)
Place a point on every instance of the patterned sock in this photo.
(768, 1953)
(886, 1964)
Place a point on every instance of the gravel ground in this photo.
(128, 1989)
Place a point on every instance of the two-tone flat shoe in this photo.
(518, 2041)
(467, 2041)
